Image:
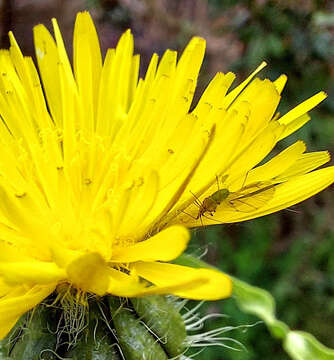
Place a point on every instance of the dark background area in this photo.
(291, 253)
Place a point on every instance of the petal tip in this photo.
(323, 94)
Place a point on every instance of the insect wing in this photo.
(252, 197)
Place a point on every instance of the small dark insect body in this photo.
(210, 203)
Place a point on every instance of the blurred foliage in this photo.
(291, 254)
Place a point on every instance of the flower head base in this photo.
(99, 171)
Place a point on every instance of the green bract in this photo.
(111, 328)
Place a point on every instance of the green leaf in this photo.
(259, 302)
(303, 346)
(256, 301)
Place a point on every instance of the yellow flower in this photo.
(99, 171)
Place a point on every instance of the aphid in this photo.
(210, 203)
(249, 198)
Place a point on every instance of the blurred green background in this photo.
(290, 253)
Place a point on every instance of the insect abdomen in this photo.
(220, 195)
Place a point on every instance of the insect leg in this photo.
(200, 217)
(245, 179)
(197, 200)
(217, 181)
(193, 217)
(211, 218)
(197, 204)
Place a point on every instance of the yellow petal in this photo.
(63, 57)
(183, 286)
(277, 165)
(306, 163)
(141, 199)
(12, 308)
(235, 92)
(255, 152)
(9, 252)
(263, 99)
(165, 246)
(294, 125)
(280, 83)
(118, 77)
(129, 285)
(47, 58)
(217, 285)
(167, 64)
(215, 91)
(303, 108)
(36, 272)
(4, 288)
(87, 63)
(298, 116)
(89, 273)
(124, 284)
(189, 64)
